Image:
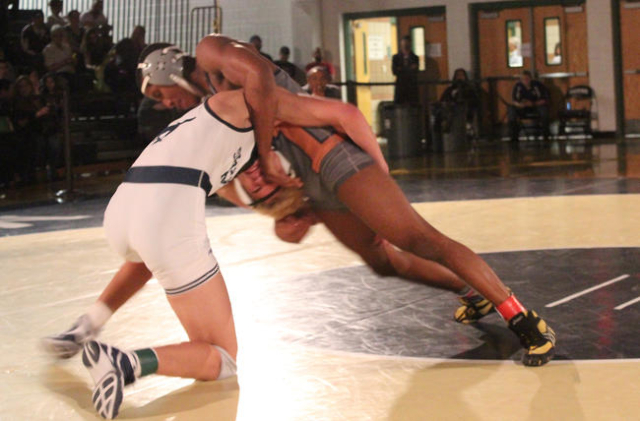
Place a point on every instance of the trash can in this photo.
(403, 126)
(450, 134)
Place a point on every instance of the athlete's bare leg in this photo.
(382, 257)
(390, 214)
(205, 314)
(126, 282)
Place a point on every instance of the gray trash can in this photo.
(403, 126)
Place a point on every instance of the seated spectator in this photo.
(317, 61)
(94, 49)
(530, 97)
(51, 92)
(34, 76)
(94, 17)
(120, 71)
(26, 110)
(75, 32)
(35, 36)
(6, 71)
(7, 148)
(55, 18)
(460, 93)
(256, 41)
(59, 58)
(318, 84)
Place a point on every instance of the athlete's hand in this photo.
(293, 228)
(273, 172)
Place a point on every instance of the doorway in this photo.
(550, 40)
(371, 41)
(629, 56)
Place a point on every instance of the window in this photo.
(514, 43)
(552, 42)
(417, 42)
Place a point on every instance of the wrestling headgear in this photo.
(165, 65)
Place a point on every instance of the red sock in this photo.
(510, 307)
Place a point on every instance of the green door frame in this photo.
(392, 13)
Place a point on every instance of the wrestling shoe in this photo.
(111, 369)
(473, 309)
(538, 339)
(70, 342)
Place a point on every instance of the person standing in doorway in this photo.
(405, 69)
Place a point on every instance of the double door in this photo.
(549, 40)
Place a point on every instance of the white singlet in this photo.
(157, 216)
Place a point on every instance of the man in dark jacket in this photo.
(405, 68)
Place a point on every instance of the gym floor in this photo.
(322, 338)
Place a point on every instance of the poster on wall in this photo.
(376, 47)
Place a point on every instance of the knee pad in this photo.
(228, 366)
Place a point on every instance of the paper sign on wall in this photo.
(434, 49)
(376, 47)
(526, 49)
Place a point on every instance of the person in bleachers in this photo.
(318, 84)
(120, 71)
(6, 71)
(256, 41)
(318, 61)
(7, 147)
(94, 17)
(55, 18)
(50, 147)
(292, 70)
(26, 110)
(59, 57)
(404, 66)
(460, 92)
(530, 97)
(34, 37)
(75, 31)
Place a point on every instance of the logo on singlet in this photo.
(231, 172)
(169, 129)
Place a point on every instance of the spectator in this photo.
(120, 72)
(34, 76)
(7, 147)
(94, 17)
(284, 63)
(317, 61)
(50, 149)
(34, 37)
(94, 48)
(59, 58)
(405, 67)
(55, 18)
(318, 84)
(291, 69)
(530, 97)
(459, 97)
(75, 32)
(6, 71)
(256, 41)
(26, 110)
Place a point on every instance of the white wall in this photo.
(306, 24)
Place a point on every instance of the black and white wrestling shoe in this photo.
(111, 369)
(68, 343)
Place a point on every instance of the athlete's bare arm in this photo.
(225, 58)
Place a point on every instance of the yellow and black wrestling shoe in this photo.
(473, 309)
(538, 339)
